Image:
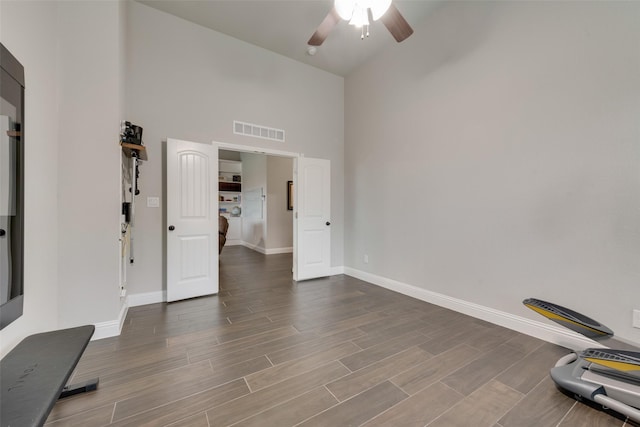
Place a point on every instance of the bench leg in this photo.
(82, 387)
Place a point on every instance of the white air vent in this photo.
(257, 131)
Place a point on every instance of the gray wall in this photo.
(279, 219)
(89, 175)
(188, 82)
(73, 105)
(38, 55)
(494, 156)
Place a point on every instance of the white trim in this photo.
(551, 333)
(257, 150)
(254, 247)
(264, 251)
(136, 300)
(269, 152)
(111, 328)
(337, 270)
(274, 251)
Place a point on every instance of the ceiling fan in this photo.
(357, 13)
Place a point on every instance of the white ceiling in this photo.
(284, 26)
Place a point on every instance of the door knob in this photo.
(328, 223)
(2, 232)
(171, 228)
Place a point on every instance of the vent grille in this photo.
(257, 131)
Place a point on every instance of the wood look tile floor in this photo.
(267, 351)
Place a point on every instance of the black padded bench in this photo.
(33, 375)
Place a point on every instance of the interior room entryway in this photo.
(193, 207)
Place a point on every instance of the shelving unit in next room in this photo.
(230, 198)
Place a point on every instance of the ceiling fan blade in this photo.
(396, 24)
(325, 28)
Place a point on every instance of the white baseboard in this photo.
(111, 328)
(274, 251)
(337, 270)
(253, 247)
(264, 251)
(550, 333)
(135, 300)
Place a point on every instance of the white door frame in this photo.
(256, 150)
(280, 153)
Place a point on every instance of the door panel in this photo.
(313, 212)
(192, 219)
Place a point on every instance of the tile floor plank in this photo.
(183, 408)
(419, 409)
(294, 411)
(483, 407)
(527, 373)
(426, 373)
(358, 381)
(478, 372)
(544, 406)
(282, 371)
(180, 388)
(360, 408)
(382, 350)
(268, 397)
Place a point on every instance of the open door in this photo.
(312, 219)
(192, 219)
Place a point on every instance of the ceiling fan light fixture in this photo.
(357, 13)
(345, 8)
(378, 8)
(360, 17)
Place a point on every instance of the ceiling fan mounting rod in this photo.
(363, 31)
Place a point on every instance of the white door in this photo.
(192, 219)
(312, 230)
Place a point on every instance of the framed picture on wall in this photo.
(289, 195)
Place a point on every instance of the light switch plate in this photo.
(153, 202)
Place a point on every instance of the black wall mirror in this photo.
(11, 187)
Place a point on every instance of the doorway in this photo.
(190, 179)
(253, 196)
(311, 211)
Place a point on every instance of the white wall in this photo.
(493, 156)
(90, 71)
(37, 53)
(254, 177)
(279, 219)
(188, 82)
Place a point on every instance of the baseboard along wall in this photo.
(546, 332)
(550, 333)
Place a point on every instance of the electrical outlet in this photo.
(636, 318)
(366, 259)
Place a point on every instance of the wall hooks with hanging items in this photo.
(134, 153)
